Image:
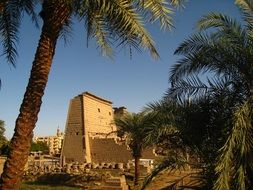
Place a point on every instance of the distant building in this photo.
(89, 121)
(120, 111)
(54, 142)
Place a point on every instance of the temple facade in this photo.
(89, 131)
(89, 117)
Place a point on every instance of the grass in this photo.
(47, 187)
(49, 184)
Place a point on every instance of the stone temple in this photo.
(88, 132)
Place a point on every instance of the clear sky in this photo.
(126, 82)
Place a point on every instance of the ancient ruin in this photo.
(89, 121)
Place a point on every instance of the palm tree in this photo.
(186, 128)
(133, 127)
(226, 52)
(120, 20)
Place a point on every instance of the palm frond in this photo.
(227, 27)
(178, 3)
(186, 66)
(209, 53)
(28, 6)
(198, 51)
(159, 10)
(96, 26)
(102, 35)
(220, 84)
(66, 32)
(217, 20)
(164, 106)
(184, 88)
(122, 23)
(10, 18)
(246, 7)
(165, 127)
(9, 25)
(130, 24)
(196, 42)
(232, 164)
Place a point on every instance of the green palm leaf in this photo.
(236, 154)
(10, 18)
(218, 20)
(159, 10)
(246, 7)
(222, 49)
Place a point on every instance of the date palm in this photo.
(133, 127)
(191, 127)
(226, 52)
(111, 22)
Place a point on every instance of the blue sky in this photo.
(126, 82)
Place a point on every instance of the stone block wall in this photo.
(73, 149)
(88, 116)
(98, 114)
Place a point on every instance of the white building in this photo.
(54, 142)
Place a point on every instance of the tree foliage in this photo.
(3, 139)
(4, 145)
(189, 133)
(11, 13)
(223, 47)
(213, 117)
(133, 128)
(39, 146)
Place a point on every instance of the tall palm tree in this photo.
(133, 127)
(226, 52)
(120, 20)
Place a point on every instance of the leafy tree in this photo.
(4, 144)
(110, 22)
(39, 146)
(226, 51)
(133, 128)
(3, 139)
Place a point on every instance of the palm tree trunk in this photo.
(54, 14)
(136, 170)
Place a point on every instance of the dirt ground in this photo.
(166, 178)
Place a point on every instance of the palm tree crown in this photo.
(226, 52)
(134, 128)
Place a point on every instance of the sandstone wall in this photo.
(74, 140)
(98, 115)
